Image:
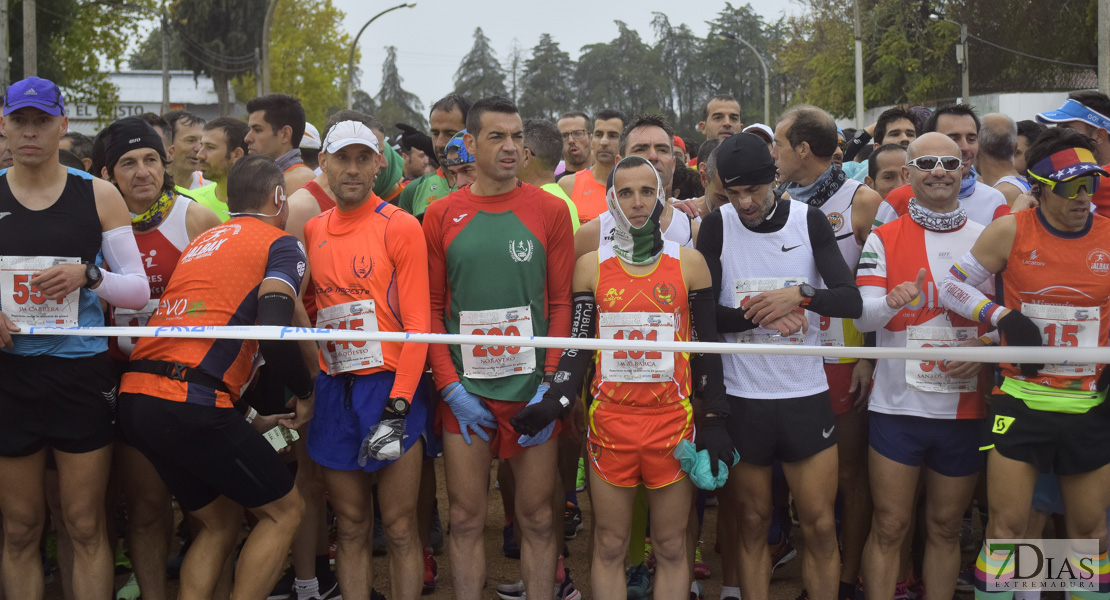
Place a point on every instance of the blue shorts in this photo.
(344, 417)
(949, 447)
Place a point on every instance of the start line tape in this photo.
(993, 354)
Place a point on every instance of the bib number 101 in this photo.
(635, 335)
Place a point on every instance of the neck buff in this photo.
(154, 215)
(636, 245)
(967, 186)
(818, 193)
(935, 221)
(289, 159)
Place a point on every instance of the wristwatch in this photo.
(807, 293)
(92, 275)
(398, 405)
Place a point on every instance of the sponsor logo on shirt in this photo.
(837, 221)
(520, 250)
(664, 293)
(612, 296)
(1032, 260)
(1098, 261)
(362, 266)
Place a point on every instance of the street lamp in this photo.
(961, 57)
(354, 44)
(766, 77)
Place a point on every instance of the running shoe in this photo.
(509, 547)
(511, 591)
(965, 582)
(906, 590)
(431, 571)
(565, 589)
(782, 553)
(572, 521)
(698, 594)
(130, 590)
(649, 555)
(376, 595)
(123, 564)
(639, 582)
(329, 586)
(701, 570)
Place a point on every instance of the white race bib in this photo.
(341, 357)
(126, 317)
(932, 375)
(26, 305)
(750, 288)
(636, 366)
(492, 362)
(1068, 327)
(832, 332)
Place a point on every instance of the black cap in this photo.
(127, 134)
(743, 159)
(414, 138)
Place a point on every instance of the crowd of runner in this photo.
(929, 228)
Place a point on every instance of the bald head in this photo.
(932, 144)
(998, 137)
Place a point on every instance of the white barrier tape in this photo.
(994, 354)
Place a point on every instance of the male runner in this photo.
(500, 260)
(769, 257)
(185, 131)
(178, 400)
(926, 416)
(997, 145)
(370, 408)
(587, 189)
(58, 393)
(310, 146)
(721, 117)
(575, 129)
(5, 152)
(447, 117)
(276, 127)
(459, 162)
(416, 149)
(542, 149)
(77, 143)
(1088, 112)
(982, 202)
(884, 169)
(1053, 262)
(164, 223)
(805, 139)
(222, 145)
(651, 389)
(1027, 134)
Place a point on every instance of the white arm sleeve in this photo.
(126, 285)
(876, 312)
(961, 294)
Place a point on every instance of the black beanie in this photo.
(743, 159)
(126, 135)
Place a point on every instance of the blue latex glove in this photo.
(469, 410)
(544, 434)
(697, 465)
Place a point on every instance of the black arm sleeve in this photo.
(841, 298)
(574, 363)
(709, 376)
(710, 242)
(854, 145)
(284, 356)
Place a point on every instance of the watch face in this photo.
(400, 406)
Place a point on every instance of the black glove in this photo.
(1018, 330)
(540, 412)
(713, 437)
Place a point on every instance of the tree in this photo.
(149, 53)
(363, 102)
(480, 74)
(678, 54)
(728, 66)
(625, 74)
(77, 45)
(516, 70)
(220, 39)
(820, 56)
(395, 104)
(314, 67)
(547, 90)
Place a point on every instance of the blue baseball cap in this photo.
(35, 92)
(456, 145)
(1073, 110)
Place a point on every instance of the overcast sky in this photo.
(432, 38)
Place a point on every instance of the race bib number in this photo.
(492, 362)
(25, 304)
(636, 366)
(126, 317)
(932, 375)
(746, 289)
(341, 357)
(1067, 327)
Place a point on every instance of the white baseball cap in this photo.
(311, 138)
(761, 130)
(346, 133)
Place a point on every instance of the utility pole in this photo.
(5, 54)
(266, 24)
(165, 59)
(1104, 47)
(965, 86)
(859, 69)
(30, 42)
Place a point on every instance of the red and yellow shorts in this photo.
(839, 376)
(504, 441)
(630, 445)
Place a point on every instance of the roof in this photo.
(146, 87)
